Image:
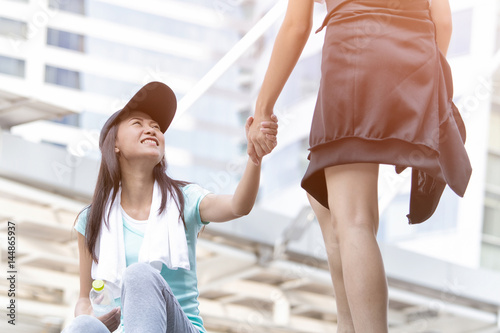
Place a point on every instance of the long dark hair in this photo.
(108, 181)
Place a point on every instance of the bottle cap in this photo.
(98, 285)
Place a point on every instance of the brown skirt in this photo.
(386, 97)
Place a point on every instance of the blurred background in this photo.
(66, 65)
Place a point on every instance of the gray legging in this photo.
(148, 306)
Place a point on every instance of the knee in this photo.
(138, 274)
(85, 320)
(360, 222)
(85, 323)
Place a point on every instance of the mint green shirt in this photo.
(184, 283)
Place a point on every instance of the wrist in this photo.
(263, 110)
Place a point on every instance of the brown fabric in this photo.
(385, 97)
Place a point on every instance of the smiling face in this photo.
(139, 138)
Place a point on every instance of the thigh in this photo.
(353, 194)
(326, 223)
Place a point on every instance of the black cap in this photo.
(155, 99)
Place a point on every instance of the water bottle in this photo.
(101, 299)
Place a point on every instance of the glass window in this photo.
(89, 82)
(11, 66)
(492, 174)
(13, 28)
(62, 77)
(73, 6)
(489, 256)
(494, 141)
(66, 40)
(461, 36)
(491, 224)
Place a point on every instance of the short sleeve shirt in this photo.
(184, 283)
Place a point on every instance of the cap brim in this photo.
(155, 99)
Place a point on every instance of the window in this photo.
(489, 255)
(493, 165)
(62, 77)
(491, 225)
(66, 40)
(11, 66)
(13, 28)
(73, 6)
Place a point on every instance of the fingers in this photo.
(270, 131)
(269, 124)
(273, 139)
(261, 137)
(252, 153)
(268, 141)
(248, 123)
(111, 319)
(264, 144)
(260, 149)
(270, 127)
(268, 145)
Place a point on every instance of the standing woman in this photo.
(384, 98)
(139, 233)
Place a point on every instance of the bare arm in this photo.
(222, 208)
(290, 42)
(441, 15)
(83, 305)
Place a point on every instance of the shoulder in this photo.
(194, 192)
(193, 195)
(81, 221)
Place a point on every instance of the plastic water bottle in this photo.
(101, 299)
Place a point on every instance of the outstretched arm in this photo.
(222, 208)
(290, 42)
(441, 15)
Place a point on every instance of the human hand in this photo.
(261, 137)
(111, 319)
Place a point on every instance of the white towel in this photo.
(164, 242)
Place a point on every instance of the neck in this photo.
(137, 189)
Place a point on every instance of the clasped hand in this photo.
(261, 136)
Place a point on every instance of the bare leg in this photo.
(353, 203)
(328, 228)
